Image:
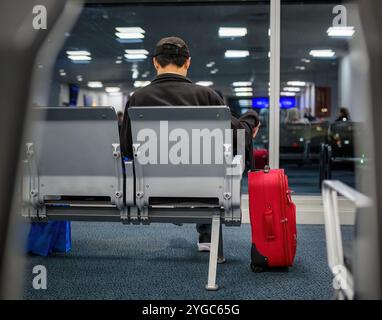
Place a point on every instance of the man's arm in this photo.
(249, 122)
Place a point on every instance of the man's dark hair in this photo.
(171, 50)
(165, 59)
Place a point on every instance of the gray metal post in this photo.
(221, 258)
(274, 106)
(211, 285)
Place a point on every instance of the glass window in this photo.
(318, 126)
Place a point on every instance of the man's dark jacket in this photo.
(175, 90)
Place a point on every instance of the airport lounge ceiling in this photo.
(303, 29)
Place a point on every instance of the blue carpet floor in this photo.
(113, 261)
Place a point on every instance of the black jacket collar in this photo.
(171, 77)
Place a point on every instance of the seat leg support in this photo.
(212, 268)
(221, 258)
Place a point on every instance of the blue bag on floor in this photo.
(53, 236)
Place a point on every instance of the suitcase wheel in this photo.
(259, 263)
(257, 269)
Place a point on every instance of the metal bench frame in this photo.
(125, 205)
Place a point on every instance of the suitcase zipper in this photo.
(284, 218)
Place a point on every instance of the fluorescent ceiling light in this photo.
(244, 94)
(210, 64)
(301, 68)
(306, 60)
(288, 94)
(322, 53)
(136, 51)
(115, 93)
(245, 103)
(133, 35)
(130, 30)
(95, 84)
(243, 89)
(214, 71)
(130, 33)
(292, 89)
(135, 56)
(79, 58)
(296, 83)
(112, 89)
(232, 32)
(242, 84)
(140, 84)
(118, 61)
(205, 83)
(236, 53)
(78, 53)
(341, 32)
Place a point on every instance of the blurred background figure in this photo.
(264, 117)
(293, 116)
(343, 115)
(308, 115)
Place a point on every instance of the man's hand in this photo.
(255, 131)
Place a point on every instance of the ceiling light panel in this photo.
(244, 94)
(242, 84)
(205, 83)
(79, 56)
(232, 32)
(246, 89)
(341, 32)
(327, 53)
(135, 56)
(78, 53)
(130, 33)
(130, 30)
(236, 53)
(288, 94)
(95, 84)
(137, 51)
(112, 89)
(127, 36)
(296, 83)
(291, 89)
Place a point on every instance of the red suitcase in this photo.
(273, 220)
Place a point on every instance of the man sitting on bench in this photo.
(172, 88)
